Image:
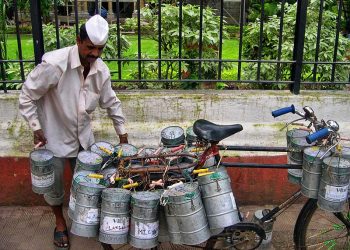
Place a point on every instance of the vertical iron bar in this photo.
(2, 70)
(159, 39)
(76, 17)
(279, 53)
(139, 37)
(56, 25)
(241, 22)
(298, 51)
(19, 44)
(261, 34)
(180, 38)
(345, 10)
(97, 9)
(37, 30)
(318, 39)
(200, 47)
(336, 43)
(3, 50)
(220, 37)
(118, 41)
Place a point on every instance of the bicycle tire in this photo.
(319, 229)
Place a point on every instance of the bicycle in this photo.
(155, 170)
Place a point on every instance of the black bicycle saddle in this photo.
(213, 132)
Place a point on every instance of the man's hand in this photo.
(123, 138)
(39, 137)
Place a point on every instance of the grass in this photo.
(229, 51)
(148, 46)
(26, 44)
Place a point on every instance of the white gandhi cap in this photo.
(97, 30)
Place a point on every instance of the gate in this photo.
(295, 72)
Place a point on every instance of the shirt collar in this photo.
(75, 61)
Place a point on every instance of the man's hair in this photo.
(83, 33)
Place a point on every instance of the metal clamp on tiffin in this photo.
(325, 172)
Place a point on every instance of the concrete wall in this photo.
(148, 112)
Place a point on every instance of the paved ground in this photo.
(24, 228)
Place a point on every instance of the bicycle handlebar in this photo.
(283, 111)
(321, 134)
(323, 129)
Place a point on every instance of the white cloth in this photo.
(97, 30)
(56, 98)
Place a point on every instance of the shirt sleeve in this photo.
(109, 101)
(39, 81)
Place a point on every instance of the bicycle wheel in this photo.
(319, 229)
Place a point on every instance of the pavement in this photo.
(24, 228)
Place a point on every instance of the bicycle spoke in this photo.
(319, 229)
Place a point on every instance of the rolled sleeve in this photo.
(34, 124)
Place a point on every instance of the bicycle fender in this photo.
(248, 226)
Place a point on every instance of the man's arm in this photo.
(109, 101)
(38, 82)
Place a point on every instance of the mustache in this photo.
(93, 57)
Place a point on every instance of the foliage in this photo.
(190, 41)
(270, 8)
(14, 72)
(68, 38)
(46, 6)
(232, 30)
(269, 48)
(23, 29)
(130, 25)
(66, 35)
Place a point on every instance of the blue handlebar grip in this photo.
(283, 111)
(317, 135)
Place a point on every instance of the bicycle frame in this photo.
(212, 149)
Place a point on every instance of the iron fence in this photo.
(297, 64)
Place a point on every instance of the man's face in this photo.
(88, 51)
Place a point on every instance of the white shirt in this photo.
(56, 98)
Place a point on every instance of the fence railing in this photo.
(287, 67)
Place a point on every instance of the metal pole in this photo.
(37, 30)
(253, 148)
(298, 52)
(2, 71)
(260, 165)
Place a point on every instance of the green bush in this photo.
(130, 25)
(269, 48)
(232, 31)
(190, 45)
(270, 8)
(68, 38)
(23, 29)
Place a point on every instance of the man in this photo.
(57, 100)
